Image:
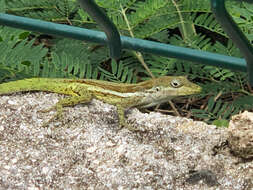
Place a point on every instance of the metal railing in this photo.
(111, 37)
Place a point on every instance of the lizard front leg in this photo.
(122, 120)
(69, 101)
(121, 115)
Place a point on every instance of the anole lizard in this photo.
(123, 96)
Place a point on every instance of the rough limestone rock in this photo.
(87, 150)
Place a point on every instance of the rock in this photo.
(241, 135)
(87, 150)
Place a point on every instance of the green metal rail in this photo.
(117, 42)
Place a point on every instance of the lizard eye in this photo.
(175, 83)
(157, 89)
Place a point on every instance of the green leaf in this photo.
(221, 123)
(210, 104)
(2, 6)
(217, 106)
(114, 66)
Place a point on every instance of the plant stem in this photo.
(138, 55)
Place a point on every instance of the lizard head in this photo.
(167, 87)
(176, 85)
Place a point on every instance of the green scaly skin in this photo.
(124, 96)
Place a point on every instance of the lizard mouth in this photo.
(189, 90)
(197, 89)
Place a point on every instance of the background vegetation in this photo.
(184, 23)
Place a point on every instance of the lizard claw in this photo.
(55, 116)
(48, 110)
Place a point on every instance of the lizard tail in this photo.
(32, 84)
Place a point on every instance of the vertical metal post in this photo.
(105, 23)
(233, 31)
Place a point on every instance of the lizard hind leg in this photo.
(69, 101)
(122, 119)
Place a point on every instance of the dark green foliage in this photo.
(18, 55)
(2, 6)
(216, 112)
(243, 16)
(61, 11)
(119, 73)
(184, 23)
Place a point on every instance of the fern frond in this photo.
(20, 54)
(216, 111)
(120, 73)
(208, 21)
(242, 15)
(56, 11)
(2, 6)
